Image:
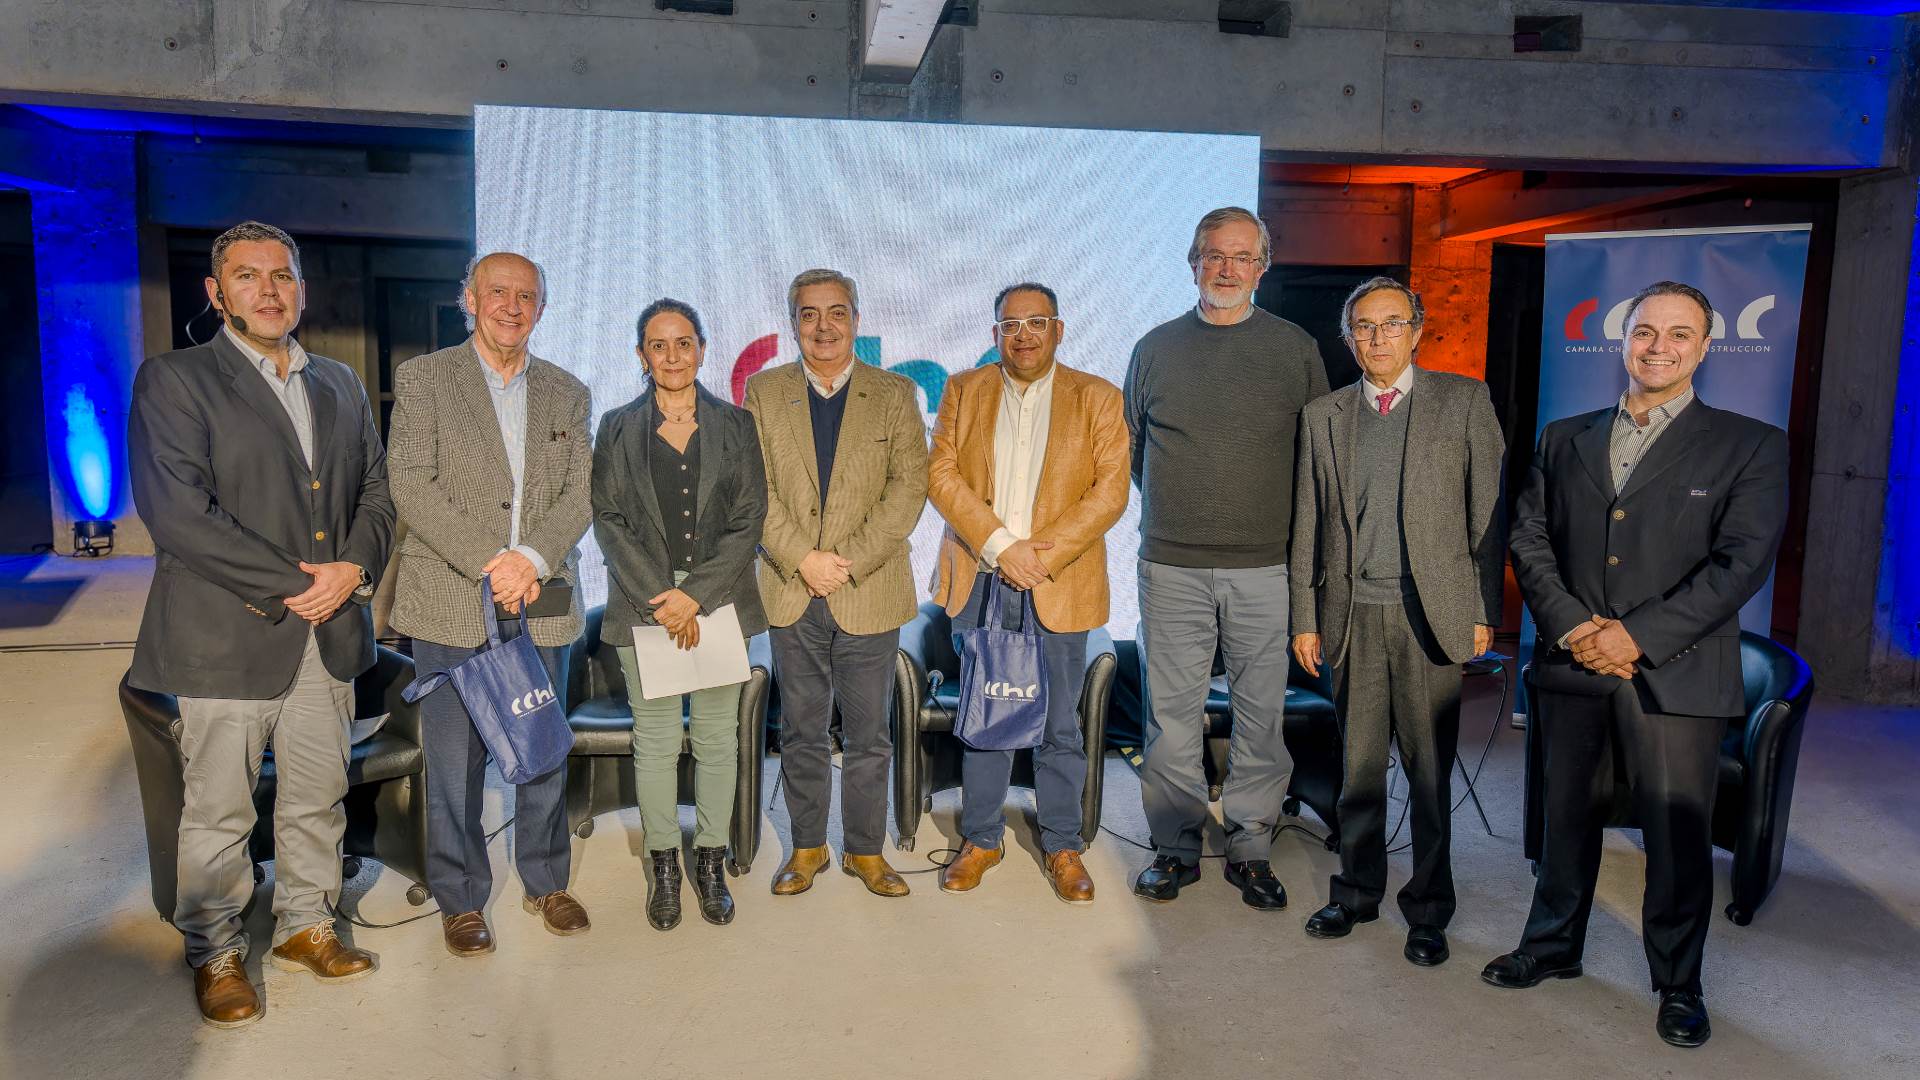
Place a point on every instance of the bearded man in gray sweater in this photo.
(1213, 401)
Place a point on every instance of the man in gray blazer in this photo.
(1396, 580)
(258, 470)
(491, 459)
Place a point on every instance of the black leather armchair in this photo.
(1309, 727)
(600, 770)
(1758, 760)
(926, 756)
(386, 799)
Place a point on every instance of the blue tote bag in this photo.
(1003, 680)
(507, 692)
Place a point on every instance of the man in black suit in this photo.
(259, 472)
(1641, 531)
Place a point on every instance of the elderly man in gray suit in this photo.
(1396, 580)
(490, 457)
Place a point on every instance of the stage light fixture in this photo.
(93, 538)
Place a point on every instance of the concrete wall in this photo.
(1654, 83)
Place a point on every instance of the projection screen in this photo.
(931, 220)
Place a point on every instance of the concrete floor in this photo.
(1004, 982)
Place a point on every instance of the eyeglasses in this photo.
(1213, 260)
(1036, 325)
(1392, 328)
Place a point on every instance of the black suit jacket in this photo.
(233, 508)
(731, 503)
(1673, 556)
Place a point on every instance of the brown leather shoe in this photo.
(876, 874)
(225, 993)
(1069, 876)
(963, 874)
(560, 913)
(797, 875)
(467, 935)
(320, 952)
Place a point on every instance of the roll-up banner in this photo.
(1752, 275)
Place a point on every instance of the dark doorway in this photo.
(1516, 294)
(27, 523)
(1312, 296)
(413, 316)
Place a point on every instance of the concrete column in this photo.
(1860, 598)
(1453, 278)
(86, 259)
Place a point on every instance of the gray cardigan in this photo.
(731, 501)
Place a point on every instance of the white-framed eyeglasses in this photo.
(1214, 260)
(1392, 328)
(1036, 325)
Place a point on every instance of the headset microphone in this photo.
(239, 323)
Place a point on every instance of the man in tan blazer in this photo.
(1030, 469)
(846, 454)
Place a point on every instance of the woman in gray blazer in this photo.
(679, 495)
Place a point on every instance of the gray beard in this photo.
(1218, 297)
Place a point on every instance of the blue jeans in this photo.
(1059, 762)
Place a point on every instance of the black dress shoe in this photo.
(710, 885)
(1258, 887)
(663, 890)
(1337, 920)
(1161, 882)
(1682, 1020)
(1426, 946)
(1520, 971)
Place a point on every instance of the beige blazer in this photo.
(878, 491)
(1083, 491)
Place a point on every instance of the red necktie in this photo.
(1385, 400)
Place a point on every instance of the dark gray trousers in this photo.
(820, 666)
(458, 869)
(1396, 686)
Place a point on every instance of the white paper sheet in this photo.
(667, 670)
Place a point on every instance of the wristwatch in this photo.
(366, 583)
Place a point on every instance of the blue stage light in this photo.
(89, 455)
(1898, 596)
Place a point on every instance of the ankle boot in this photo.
(663, 890)
(710, 885)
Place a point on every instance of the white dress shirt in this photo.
(1019, 452)
(1372, 393)
(826, 388)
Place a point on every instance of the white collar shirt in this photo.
(1370, 392)
(1019, 453)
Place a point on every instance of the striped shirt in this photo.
(1630, 440)
(510, 408)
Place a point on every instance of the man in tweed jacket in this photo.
(490, 457)
(1398, 566)
(846, 454)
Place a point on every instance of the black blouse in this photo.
(676, 484)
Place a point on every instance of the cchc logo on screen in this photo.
(1614, 325)
(931, 377)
